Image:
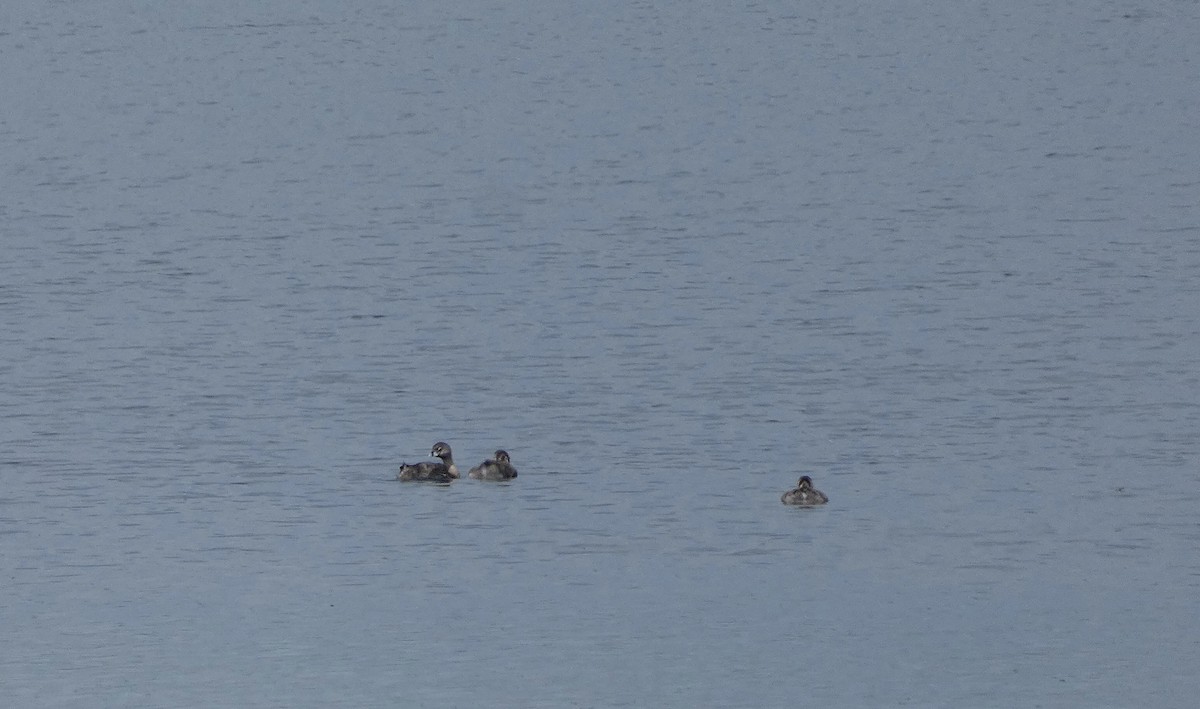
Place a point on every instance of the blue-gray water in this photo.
(942, 256)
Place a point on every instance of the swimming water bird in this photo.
(498, 468)
(442, 472)
(804, 494)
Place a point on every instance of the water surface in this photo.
(671, 257)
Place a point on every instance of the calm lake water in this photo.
(942, 257)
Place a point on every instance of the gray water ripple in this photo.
(670, 257)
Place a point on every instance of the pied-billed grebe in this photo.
(442, 472)
(804, 494)
(498, 468)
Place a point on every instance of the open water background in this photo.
(942, 256)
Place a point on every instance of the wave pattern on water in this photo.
(941, 258)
